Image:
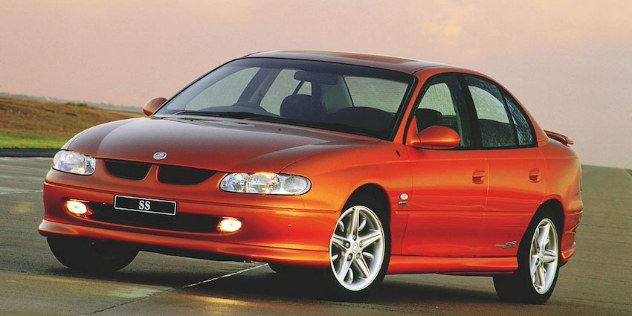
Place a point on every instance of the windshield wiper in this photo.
(345, 129)
(320, 125)
(244, 115)
(278, 119)
(228, 114)
(201, 113)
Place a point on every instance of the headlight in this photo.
(265, 183)
(72, 162)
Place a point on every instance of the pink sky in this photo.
(568, 62)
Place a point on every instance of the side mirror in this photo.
(435, 137)
(152, 105)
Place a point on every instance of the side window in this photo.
(443, 104)
(496, 124)
(525, 133)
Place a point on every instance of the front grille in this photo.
(180, 222)
(127, 169)
(132, 170)
(183, 175)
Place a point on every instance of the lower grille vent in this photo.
(180, 222)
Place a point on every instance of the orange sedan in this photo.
(351, 165)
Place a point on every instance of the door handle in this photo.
(535, 175)
(478, 177)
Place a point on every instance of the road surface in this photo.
(596, 281)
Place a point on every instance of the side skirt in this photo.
(453, 266)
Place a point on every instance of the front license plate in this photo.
(127, 203)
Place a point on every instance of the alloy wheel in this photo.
(357, 248)
(544, 256)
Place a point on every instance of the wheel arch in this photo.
(551, 206)
(568, 222)
(521, 286)
(554, 207)
(379, 195)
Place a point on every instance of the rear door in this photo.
(517, 170)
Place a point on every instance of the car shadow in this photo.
(261, 283)
(268, 285)
(157, 277)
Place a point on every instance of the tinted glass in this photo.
(497, 130)
(346, 98)
(283, 85)
(225, 92)
(520, 120)
(443, 104)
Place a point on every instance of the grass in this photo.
(45, 125)
(30, 141)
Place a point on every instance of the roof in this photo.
(377, 61)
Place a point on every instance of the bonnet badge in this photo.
(160, 155)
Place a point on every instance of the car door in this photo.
(517, 170)
(446, 206)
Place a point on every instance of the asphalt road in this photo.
(597, 280)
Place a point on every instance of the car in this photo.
(347, 165)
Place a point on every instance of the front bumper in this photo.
(278, 235)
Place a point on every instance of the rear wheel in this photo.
(359, 251)
(538, 264)
(90, 255)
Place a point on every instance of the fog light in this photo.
(229, 225)
(77, 207)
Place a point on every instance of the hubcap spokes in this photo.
(544, 256)
(357, 248)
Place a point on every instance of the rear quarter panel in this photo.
(564, 185)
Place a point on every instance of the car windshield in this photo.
(351, 99)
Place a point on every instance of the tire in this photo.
(359, 251)
(92, 256)
(538, 264)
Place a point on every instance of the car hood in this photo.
(219, 144)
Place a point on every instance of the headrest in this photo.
(302, 107)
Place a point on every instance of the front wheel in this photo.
(359, 251)
(538, 264)
(91, 255)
